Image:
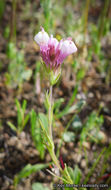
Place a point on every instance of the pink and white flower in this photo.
(53, 52)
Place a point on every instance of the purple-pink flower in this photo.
(52, 51)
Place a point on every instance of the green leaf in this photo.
(11, 51)
(25, 120)
(38, 65)
(50, 145)
(65, 111)
(54, 77)
(71, 172)
(26, 74)
(77, 175)
(20, 57)
(91, 127)
(24, 104)
(73, 96)
(39, 186)
(68, 136)
(57, 104)
(76, 124)
(47, 103)
(33, 120)
(2, 8)
(12, 126)
(91, 171)
(76, 107)
(36, 134)
(19, 113)
(80, 74)
(44, 120)
(28, 170)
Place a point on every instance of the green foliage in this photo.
(80, 74)
(46, 5)
(68, 136)
(75, 174)
(22, 119)
(76, 124)
(27, 171)
(103, 19)
(2, 8)
(91, 127)
(57, 105)
(69, 107)
(1, 65)
(105, 163)
(94, 166)
(7, 32)
(17, 68)
(96, 44)
(39, 186)
(103, 65)
(37, 133)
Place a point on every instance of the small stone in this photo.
(94, 148)
(49, 177)
(12, 141)
(6, 136)
(102, 137)
(20, 146)
(64, 151)
(79, 156)
(42, 175)
(76, 157)
(83, 163)
(2, 155)
(86, 145)
(90, 95)
(22, 135)
(71, 145)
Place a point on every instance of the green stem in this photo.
(50, 113)
(86, 17)
(64, 171)
(102, 19)
(13, 22)
(55, 160)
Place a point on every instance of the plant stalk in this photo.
(13, 22)
(86, 17)
(50, 113)
(51, 150)
(102, 19)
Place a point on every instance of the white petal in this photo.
(53, 41)
(68, 47)
(41, 38)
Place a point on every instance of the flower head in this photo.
(53, 52)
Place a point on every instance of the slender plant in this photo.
(53, 54)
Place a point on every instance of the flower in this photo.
(53, 52)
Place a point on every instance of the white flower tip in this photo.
(41, 37)
(68, 47)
